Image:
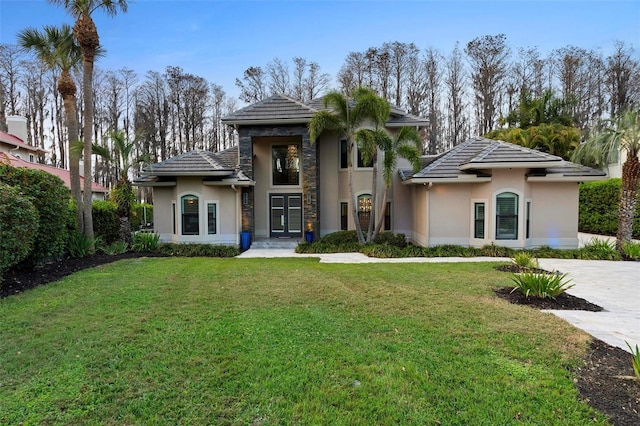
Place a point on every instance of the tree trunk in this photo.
(354, 201)
(67, 89)
(87, 87)
(380, 220)
(628, 199)
(374, 199)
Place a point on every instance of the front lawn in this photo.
(284, 341)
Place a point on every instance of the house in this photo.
(277, 183)
(17, 153)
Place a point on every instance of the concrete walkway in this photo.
(615, 286)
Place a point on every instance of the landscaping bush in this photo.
(80, 245)
(599, 208)
(599, 250)
(50, 198)
(396, 240)
(631, 250)
(145, 241)
(545, 286)
(381, 250)
(106, 223)
(525, 261)
(340, 237)
(198, 250)
(138, 214)
(19, 219)
(119, 247)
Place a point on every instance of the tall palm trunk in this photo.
(352, 192)
(67, 89)
(374, 199)
(628, 199)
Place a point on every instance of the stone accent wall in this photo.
(310, 177)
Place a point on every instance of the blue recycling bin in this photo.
(245, 240)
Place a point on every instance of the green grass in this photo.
(284, 341)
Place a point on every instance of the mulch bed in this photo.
(605, 378)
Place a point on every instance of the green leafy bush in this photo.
(340, 237)
(412, 250)
(19, 225)
(106, 223)
(81, 245)
(599, 208)
(119, 247)
(381, 250)
(50, 198)
(599, 250)
(525, 261)
(137, 217)
(145, 241)
(548, 286)
(492, 250)
(396, 240)
(635, 359)
(198, 250)
(631, 249)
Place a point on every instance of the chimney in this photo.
(17, 126)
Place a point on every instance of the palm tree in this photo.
(86, 34)
(56, 48)
(621, 135)
(122, 193)
(345, 117)
(406, 144)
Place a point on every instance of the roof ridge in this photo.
(202, 152)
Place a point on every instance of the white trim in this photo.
(181, 236)
(562, 178)
(511, 165)
(472, 239)
(432, 181)
(206, 218)
(519, 241)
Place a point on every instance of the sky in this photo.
(218, 40)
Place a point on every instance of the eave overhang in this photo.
(432, 181)
(266, 121)
(562, 178)
(509, 165)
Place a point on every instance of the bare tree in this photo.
(433, 74)
(400, 56)
(488, 57)
(315, 82)
(455, 83)
(10, 59)
(352, 73)
(278, 73)
(622, 79)
(416, 84)
(253, 85)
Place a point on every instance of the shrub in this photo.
(412, 250)
(118, 247)
(635, 359)
(145, 241)
(525, 261)
(106, 223)
(137, 218)
(599, 250)
(492, 250)
(50, 198)
(323, 247)
(381, 250)
(396, 240)
(19, 219)
(541, 285)
(340, 237)
(631, 250)
(599, 208)
(198, 250)
(80, 245)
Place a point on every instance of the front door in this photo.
(286, 215)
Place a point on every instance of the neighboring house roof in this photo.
(63, 174)
(10, 139)
(217, 168)
(472, 161)
(281, 109)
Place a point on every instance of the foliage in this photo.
(198, 250)
(598, 249)
(598, 202)
(119, 247)
(525, 261)
(631, 249)
(138, 215)
(50, 198)
(546, 286)
(19, 219)
(554, 139)
(492, 250)
(340, 237)
(305, 343)
(106, 223)
(145, 241)
(82, 245)
(635, 359)
(397, 240)
(381, 251)
(321, 246)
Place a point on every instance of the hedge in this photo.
(599, 208)
(138, 215)
(50, 198)
(19, 219)
(106, 224)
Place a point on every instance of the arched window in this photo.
(190, 215)
(507, 216)
(364, 210)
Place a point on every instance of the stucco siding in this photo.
(449, 214)
(554, 214)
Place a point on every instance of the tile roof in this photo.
(17, 142)
(63, 174)
(277, 109)
(281, 109)
(215, 167)
(475, 157)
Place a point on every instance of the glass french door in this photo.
(285, 215)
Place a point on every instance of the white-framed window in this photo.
(344, 215)
(364, 210)
(527, 218)
(344, 159)
(190, 210)
(285, 167)
(507, 216)
(173, 218)
(212, 217)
